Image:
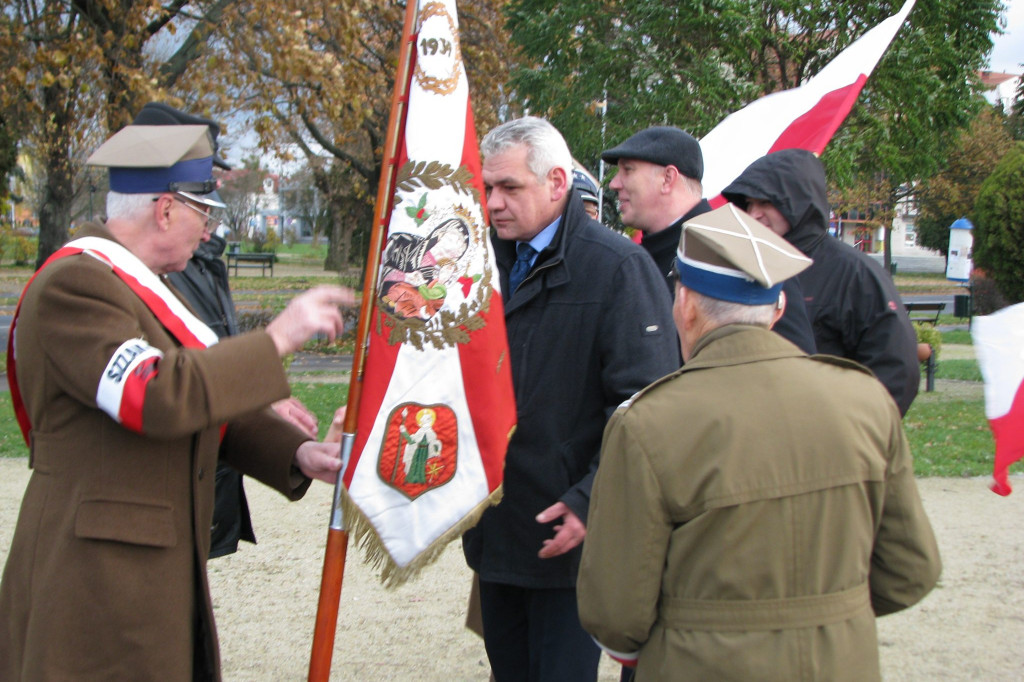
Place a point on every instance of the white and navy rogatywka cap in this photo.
(150, 159)
(727, 255)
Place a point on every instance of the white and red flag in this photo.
(436, 408)
(999, 346)
(805, 117)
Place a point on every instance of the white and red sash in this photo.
(121, 390)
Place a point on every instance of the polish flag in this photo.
(804, 117)
(999, 346)
(437, 407)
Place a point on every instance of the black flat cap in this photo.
(160, 114)
(664, 146)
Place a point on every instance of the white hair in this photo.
(128, 206)
(721, 313)
(546, 148)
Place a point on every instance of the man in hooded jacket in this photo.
(853, 304)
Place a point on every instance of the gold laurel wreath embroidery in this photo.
(442, 86)
(435, 175)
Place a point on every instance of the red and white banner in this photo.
(999, 346)
(437, 407)
(805, 117)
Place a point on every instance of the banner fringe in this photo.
(365, 536)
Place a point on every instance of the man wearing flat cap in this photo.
(769, 521)
(125, 399)
(659, 188)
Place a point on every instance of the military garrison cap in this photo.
(146, 159)
(727, 255)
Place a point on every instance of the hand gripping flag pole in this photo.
(337, 533)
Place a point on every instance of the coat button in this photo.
(201, 473)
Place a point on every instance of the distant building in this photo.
(1000, 88)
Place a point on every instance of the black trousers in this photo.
(534, 635)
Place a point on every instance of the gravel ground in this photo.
(970, 628)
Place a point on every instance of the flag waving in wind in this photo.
(436, 409)
(999, 344)
(805, 117)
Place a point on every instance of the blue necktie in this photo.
(524, 254)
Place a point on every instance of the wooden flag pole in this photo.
(337, 533)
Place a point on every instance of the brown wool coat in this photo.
(767, 506)
(106, 576)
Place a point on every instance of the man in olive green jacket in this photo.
(765, 499)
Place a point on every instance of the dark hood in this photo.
(793, 180)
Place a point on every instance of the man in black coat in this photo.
(589, 324)
(659, 188)
(853, 304)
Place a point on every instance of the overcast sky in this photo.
(1008, 52)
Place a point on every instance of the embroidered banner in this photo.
(437, 406)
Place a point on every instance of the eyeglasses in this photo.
(211, 223)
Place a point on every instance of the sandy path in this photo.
(970, 628)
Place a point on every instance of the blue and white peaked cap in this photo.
(727, 255)
(151, 159)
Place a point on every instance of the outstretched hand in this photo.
(319, 460)
(315, 311)
(568, 534)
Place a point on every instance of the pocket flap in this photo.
(132, 522)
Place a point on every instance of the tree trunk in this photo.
(58, 189)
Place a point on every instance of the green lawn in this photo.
(949, 436)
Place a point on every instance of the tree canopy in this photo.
(950, 194)
(999, 225)
(313, 79)
(690, 64)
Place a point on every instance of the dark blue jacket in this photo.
(589, 326)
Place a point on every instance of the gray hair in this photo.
(128, 206)
(721, 313)
(546, 146)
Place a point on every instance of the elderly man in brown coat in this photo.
(124, 397)
(765, 499)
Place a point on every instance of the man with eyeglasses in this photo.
(204, 285)
(126, 398)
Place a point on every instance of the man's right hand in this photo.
(316, 311)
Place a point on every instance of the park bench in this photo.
(927, 313)
(251, 260)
